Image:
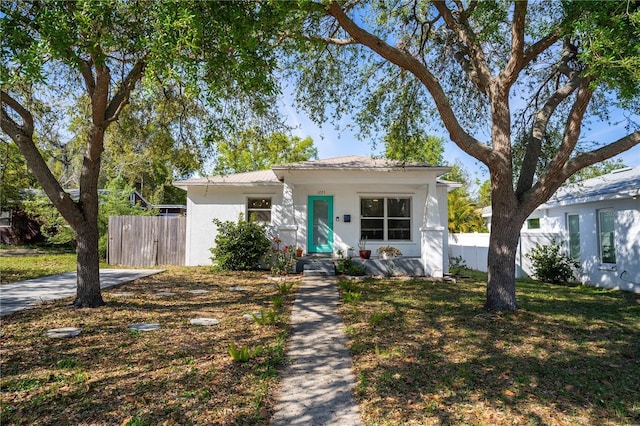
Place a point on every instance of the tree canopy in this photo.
(56, 52)
(504, 78)
(253, 150)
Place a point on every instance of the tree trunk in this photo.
(88, 292)
(501, 266)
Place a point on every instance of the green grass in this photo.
(426, 353)
(35, 264)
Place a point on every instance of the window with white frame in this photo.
(259, 209)
(573, 229)
(606, 235)
(385, 218)
(5, 218)
(533, 223)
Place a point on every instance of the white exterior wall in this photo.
(289, 210)
(206, 203)
(627, 242)
(474, 247)
(346, 201)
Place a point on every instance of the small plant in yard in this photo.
(244, 353)
(352, 296)
(239, 245)
(348, 286)
(347, 266)
(277, 301)
(550, 264)
(265, 317)
(280, 260)
(456, 265)
(284, 287)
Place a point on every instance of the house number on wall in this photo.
(322, 192)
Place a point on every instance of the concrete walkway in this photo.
(25, 294)
(317, 386)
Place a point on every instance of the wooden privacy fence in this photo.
(146, 240)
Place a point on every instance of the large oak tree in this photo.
(54, 52)
(495, 74)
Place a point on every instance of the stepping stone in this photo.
(198, 291)
(237, 289)
(165, 293)
(57, 333)
(204, 321)
(145, 326)
(123, 294)
(276, 278)
(250, 316)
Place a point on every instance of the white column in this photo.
(432, 235)
(287, 226)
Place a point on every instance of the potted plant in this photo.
(387, 252)
(299, 252)
(363, 252)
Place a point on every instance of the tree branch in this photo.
(27, 127)
(87, 75)
(604, 153)
(482, 77)
(516, 59)
(556, 172)
(466, 142)
(538, 131)
(121, 98)
(22, 135)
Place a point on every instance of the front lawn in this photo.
(17, 264)
(425, 353)
(180, 374)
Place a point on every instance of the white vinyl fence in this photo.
(474, 248)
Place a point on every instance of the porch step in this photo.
(316, 267)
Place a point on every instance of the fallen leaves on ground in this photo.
(180, 374)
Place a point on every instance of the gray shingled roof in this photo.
(274, 176)
(355, 162)
(261, 177)
(619, 184)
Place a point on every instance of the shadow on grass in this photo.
(426, 352)
(180, 374)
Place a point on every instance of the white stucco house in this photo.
(598, 222)
(324, 206)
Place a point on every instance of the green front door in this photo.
(320, 224)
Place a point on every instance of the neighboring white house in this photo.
(597, 221)
(324, 206)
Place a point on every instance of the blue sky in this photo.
(333, 143)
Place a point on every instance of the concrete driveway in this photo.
(26, 294)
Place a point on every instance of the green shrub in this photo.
(550, 264)
(240, 246)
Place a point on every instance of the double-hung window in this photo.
(385, 218)
(606, 235)
(259, 209)
(573, 228)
